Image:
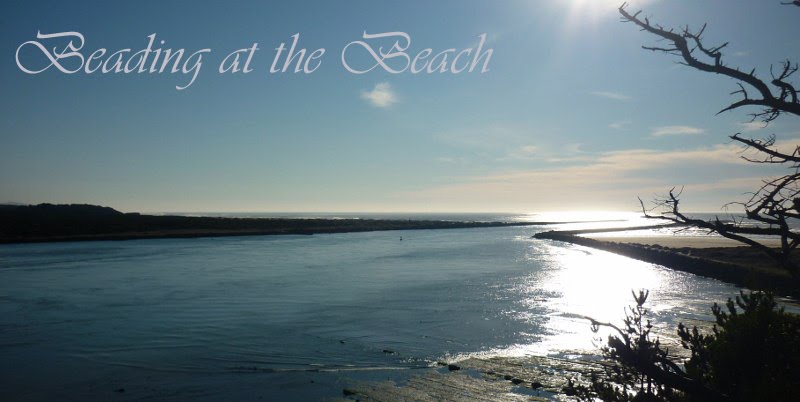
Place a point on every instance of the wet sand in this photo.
(530, 378)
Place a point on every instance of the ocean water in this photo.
(300, 317)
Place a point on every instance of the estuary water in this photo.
(299, 317)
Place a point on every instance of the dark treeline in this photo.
(48, 222)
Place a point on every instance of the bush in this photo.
(750, 355)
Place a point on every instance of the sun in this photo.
(592, 14)
(591, 8)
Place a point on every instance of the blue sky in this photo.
(572, 114)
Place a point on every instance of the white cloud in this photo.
(523, 152)
(612, 95)
(451, 159)
(381, 96)
(676, 130)
(620, 125)
(751, 126)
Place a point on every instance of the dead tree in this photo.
(775, 206)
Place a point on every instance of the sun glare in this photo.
(591, 8)
(582, 13)
(593, 284)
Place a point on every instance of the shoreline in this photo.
(46, 223)
(721, 259)
(379, 226)
(284, 227)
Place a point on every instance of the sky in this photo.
(572, 113)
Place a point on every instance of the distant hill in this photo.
(49, 222)
(12, 204)
(62, 210)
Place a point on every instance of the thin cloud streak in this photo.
(612, 95)
(620, 125)
(609, 180)
(676, 130)
(752, 126)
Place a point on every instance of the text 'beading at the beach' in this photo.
(64, 51)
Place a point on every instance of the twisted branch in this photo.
(685, 43)
(776, 204)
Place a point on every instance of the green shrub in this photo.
(751, 354)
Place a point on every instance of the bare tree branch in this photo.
(773, 210)
(685, 43)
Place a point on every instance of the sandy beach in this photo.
(675, 241)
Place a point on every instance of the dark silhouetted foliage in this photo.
(750, 355)
(775, 206)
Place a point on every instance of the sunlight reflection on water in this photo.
(594, 284)
(578, 282)
(197, 311)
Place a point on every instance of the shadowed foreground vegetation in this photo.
(749, 355)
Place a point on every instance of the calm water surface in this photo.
(297, 317)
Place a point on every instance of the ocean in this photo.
(300, 317)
